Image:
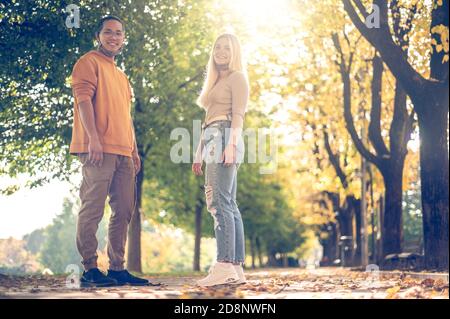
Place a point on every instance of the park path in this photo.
(283, 283)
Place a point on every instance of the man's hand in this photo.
(95, 149)
(87, 117)
(136, 161)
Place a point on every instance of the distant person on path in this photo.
(224, 97)
(104, 140)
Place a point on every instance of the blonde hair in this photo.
(236, 64)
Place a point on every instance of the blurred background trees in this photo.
(327, 88)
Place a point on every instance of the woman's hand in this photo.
(197, 169)
(198, 160)
(229, 155)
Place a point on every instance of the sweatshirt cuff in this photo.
(83, 98)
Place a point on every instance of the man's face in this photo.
(112, 35)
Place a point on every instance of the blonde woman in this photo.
(224, 97)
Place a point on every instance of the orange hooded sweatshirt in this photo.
(96, 77)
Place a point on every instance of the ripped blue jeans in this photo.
(220, 191)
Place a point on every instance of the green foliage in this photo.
(35, 240)
(37, 52)
(266, 212)
(412, 220)
(59, 248)
(166, 249)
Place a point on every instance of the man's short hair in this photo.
(107, 18)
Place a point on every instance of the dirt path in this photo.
(333, 283)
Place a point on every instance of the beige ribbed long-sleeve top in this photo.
(229, 96)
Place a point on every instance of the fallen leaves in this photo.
(265, 283)
(428, 282)
(392, 293)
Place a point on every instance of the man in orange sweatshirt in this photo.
(103, 138)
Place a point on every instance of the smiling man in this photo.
(103, 138)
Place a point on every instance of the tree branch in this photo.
(381, 38)
(337, 44)
(147, 149)
(362, 9)
(334, 160)
(383, 5)
(345, 75)
(350, 124)
(316, 149)
(375, 112)
(197, 76)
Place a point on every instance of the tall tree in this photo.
(390, 161)
(430, 98)
(37, 52)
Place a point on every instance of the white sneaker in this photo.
(219, 274)
(240, 272)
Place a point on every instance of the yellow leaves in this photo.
(441, 286)
(408, 282)
(442, 31)
(419, 5)
(408, 287)
(68, 82)
(392, 292)
(262, 283)
(186, 295)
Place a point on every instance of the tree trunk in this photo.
(392, 228)
(285, 260)
(335, 229)
(434, 184)
(134, 229)
(334, 244)
(380, 234)
(357, 261)
(330, 245)
(335, 250)
(430, 98)
(198, 234)
(346, 226)
(272, 262)
(259, 252)
(252, 251)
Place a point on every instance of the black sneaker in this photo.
(123, 277)
(95, 278)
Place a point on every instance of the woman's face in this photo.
(222, 52)
(112, 35)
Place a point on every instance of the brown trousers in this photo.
(116, 178)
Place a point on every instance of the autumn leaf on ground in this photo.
(392, 292)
